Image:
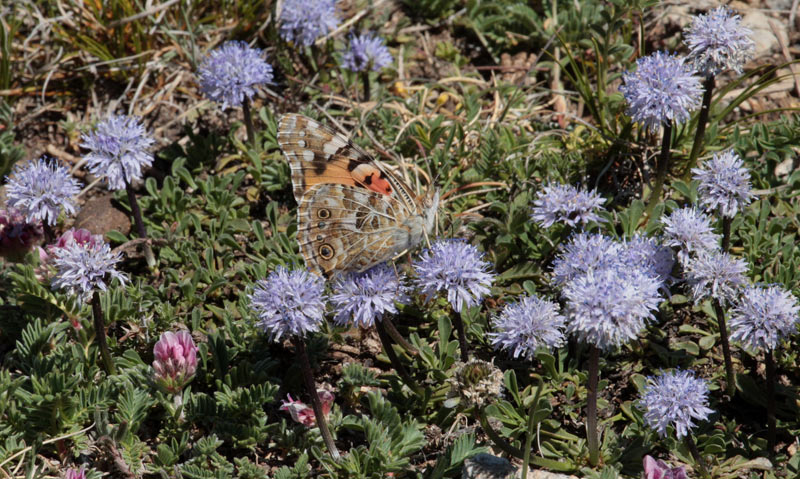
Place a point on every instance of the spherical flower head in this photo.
(716, 274)
(303, 413)
(17, 234)
(675, 399)
(83, 268)
(724, 184)
(303, 21)
(41, 189)
(584, 252)
(457, 268)
(230, 73)
(76, 473)
(658, 469)
(366, 52)
(289, 303)
(689, 230)
(566, 203)
(363, 298)
(476, 383)
(763, 316)
(663, 89)
(649, 255)
(175, 361)
(527, 325)
(118, 150)
(610, 306)
(717, 42)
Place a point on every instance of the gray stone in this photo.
(100, 215)
(487, 466)
(764, 29)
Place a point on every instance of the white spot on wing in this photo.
(308, 155)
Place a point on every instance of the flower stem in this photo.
(397, 337)
(701, 464)
(730, 388)
(531, 430)
(396, 364)
(661, 170)
(498, 441)
(365, 83)
(316, 404)
(726, 233)
(702, 120)
(771, 426)
(49, 234)
(100, 333)
(137, 219)
(591, 406)
(248, 123)
(462, 338)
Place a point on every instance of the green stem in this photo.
(661, 171)
(531, 430)
(248, 123)
(137, 219)
(396, 364)
(316, 404)
(730, 388)
(698, 459)
(100, 333)
(771, 422)
(398, 338)
(591, 406)
(702, 120)
(498, 441)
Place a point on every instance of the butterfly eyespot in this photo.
(326, 251)
(324, 213)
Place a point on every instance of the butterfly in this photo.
(353, 212)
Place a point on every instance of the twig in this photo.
(143, 14)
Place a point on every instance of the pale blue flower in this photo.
(457, 268)
(303, 21)
(650, 256)
(82, 268)
(689, 230)
(366, 52)
(724, 184)
(663, 89)
(763, 316)
(289, 303)
(716, 274)
(717, 42)
(119, 153)
(585, 252)
(528, 324)
(231, 73)
(41, 189)
(676, 399)
(363, 298)
(565, 203)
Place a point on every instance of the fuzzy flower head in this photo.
(41, 189)
(476, 383)
(230, 73)
(366, 52)
(76, 473)
(118, 147)
(17, 234)
(763, 316)
(457, 268)
(610, 306)
(718, 42)
(566, 203)
(303, 21)
(658, 469)
(663, 89)
(289, 303)
(650, 256)
(363, 298)
(724, 184)
(675, 399)
(303, 413)
(584, 252)
(83, 268)
(690, 231)
(527, 325)
(175, 361)
(716, 274)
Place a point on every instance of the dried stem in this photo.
(396, 364)
(730, 388)
(726, 233)
(702, 120)
(137, 219)
(591, 405)
(365, 82)
(49, 234)
(661, 171)
(462, 337)
(100, 333)
(316, 404)
(771, 422)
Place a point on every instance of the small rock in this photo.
(763, 32)
(101, 215)
(487, 466)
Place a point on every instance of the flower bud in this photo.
(175, 361)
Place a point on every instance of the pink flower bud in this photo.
(175, 361)
(76, 474)
(658, 469)
(80, 236)
(303, 413)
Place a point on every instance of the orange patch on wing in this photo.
(372, 179)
